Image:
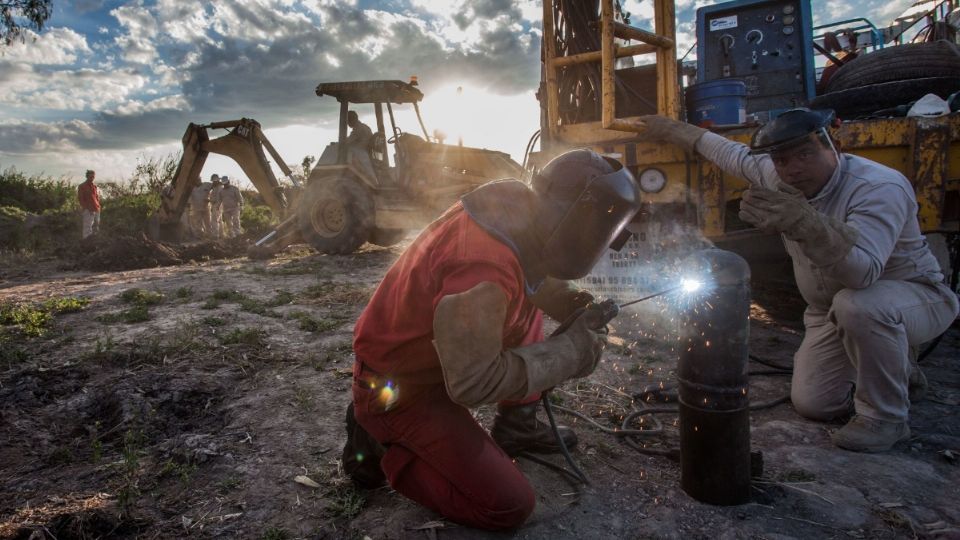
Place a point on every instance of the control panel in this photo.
(768, 44)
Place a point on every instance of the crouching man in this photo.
(458, 322)
(872, 286)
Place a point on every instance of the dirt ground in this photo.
(216, 410)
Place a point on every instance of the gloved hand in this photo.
(825, 240)
(655, 128)
(559, 299)
(588, 332)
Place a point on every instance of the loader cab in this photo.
(373, 161)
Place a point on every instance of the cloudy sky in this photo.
(107, 83)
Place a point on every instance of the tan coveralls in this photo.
(216, 211)
(866, 311)
(200, 210)
(231, 200)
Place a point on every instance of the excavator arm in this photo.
(244, 143)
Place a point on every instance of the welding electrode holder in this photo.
(598, 316)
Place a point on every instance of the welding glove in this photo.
(823, 239)
(468, 337)
(559, 298)
(655, 128)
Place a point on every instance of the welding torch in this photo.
(602, 313)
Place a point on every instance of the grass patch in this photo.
(329, 292)
(345, 502)
(275, 533)
(309, 323)
(252, 337)
(213, 321)
(183, 471)
(228, 484)
(184, 293)
(136, 314)
(291, 268)
(304, 398)
(250, 305)
(141, 297)
(33, 320)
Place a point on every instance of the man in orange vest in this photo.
(89, 197)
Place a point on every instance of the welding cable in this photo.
(545, 399)
(621, 431)
(529, 149)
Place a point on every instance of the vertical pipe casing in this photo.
(713, 383)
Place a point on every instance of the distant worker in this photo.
(458, 322)
(873, 288)
(216, 208)
(89, 197)
(358, 143)
(231, 200)
(200, 208)
(360, 133)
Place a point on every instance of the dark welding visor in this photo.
(789, 129)
(596, 220)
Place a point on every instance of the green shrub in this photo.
(257, 219)
(35, 193)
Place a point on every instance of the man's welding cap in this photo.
(790, 129)
(586, 202)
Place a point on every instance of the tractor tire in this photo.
(335, 215)
(898, 63)
(862, 101)
(387, 237)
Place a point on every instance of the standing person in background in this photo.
(231, 201)
(216, 208)
(200, 207)
(89, 198)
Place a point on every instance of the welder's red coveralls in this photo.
(437, 454)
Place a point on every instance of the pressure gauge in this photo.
(788, 19)
(652, 180)
(787, 30)
(787, 10)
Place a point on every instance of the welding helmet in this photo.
(585, 203)
(790, 129)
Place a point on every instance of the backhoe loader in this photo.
(352, 196)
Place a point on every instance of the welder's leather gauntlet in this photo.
(468, 336)
(559, 299)
(824, 239)
(655, 128)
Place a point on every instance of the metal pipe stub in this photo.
(713, 383)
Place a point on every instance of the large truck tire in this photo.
(387, 237)
(898, 63)
(864, 100)
(335, 215)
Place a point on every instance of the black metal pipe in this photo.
(713, 384)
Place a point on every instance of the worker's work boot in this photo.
(361, 455)
(862, 434)
(517, 429)
(917, 384)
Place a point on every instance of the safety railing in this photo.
(662, 43)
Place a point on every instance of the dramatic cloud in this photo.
(116, 78)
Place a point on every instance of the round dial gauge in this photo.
(788, 30)
(787, 10)
(652, 180)
(788, 19)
